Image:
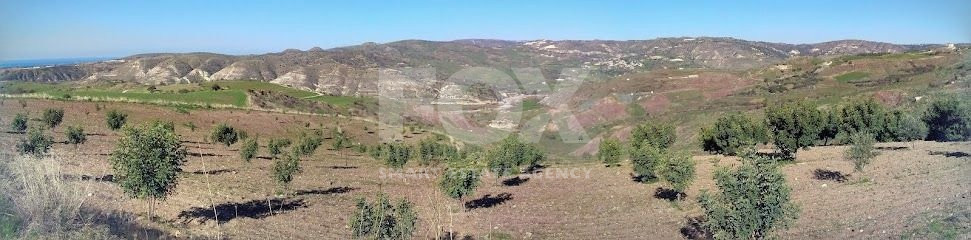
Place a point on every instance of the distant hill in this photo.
(351, 70)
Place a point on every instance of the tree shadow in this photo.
(255, 209)
(488, 201)
(342, 167)
(829, 175)
(516, 181)
(694, 229)
(454, 235)
(211, 172)
(954, 154)
(124, 224)
(643, 179)
(668, 194)
(538, 168)
(85, 177)
(894, 148)
(333, 190)
(195, 154)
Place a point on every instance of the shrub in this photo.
(861, 150)
(275, 146)
(795, 125)
(948, 119)
(147, 161)
(75, 135)
(511, 154)
(283, 170)
(225, 134)
(661, 135)
(609, 152)
(753, 200)
(432, 152)
(382, 220)
(53, 117)
(461, 179)
(308, 144)
(731, 132)
(116, 119)
(902, 126)
(645, 162)
(830, 126)
(862, 116)
(396, 155)
(35, 143)
(249, 149)
(19, 123)
(678, 170)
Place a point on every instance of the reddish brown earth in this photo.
(908, 184)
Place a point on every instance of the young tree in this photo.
(432, 152)
(609, 152)
(340, 141)
(678, 170)
(731, 132)
(35, 143)
(116, 119)
(308, 144)
(19, 123)
(795, 125)
(902, 126)
(225, 134)
(382, 220)
(461, 177)
(147, 161)
(862, 116)
(661, 135)
(830, 126)
(53, 117)
(861, 150)
(275, 146)
(645, 161)
(75, 135)
(249, 149)
(948, 119)
(284, 169)
(397, 155)
(752, 202)
(510, 155)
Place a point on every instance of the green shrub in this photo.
(678, 170)
(19, 123)
(308, 144)
(948, 119)
(752, 201)
(397, 154)
(609, 152)
(461, 178)
(75, 135)
(116, 119)
(645, 162)
(861, 150)
(52, 117)
(731, 132)
(225, 134)
(147, 161)
(432, 152)
(830, 126)
(902, 126)
(275, 146)
(661, 135)
(284, 169)
(511, 154)
(794, 125)
(382, 220)
(862, 116)
(35, 143)
(249, 149)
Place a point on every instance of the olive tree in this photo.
(75, 135)
(794, 125)
(461, 177)
(861, 150)
(147, 161)
(731, 132)
(432, 152)
(53, 117)
(284, 169)
(19, 123)
(862, 116)
(948, 119)
(678, 171)
(659, 134)
(383, 220)
(396, 154)
(115, 119)
(646, 161)
(225, 134)
(510, 155)
(249, 149)
(35, 143)
(609, 152)
(753, 201)
(276, 146)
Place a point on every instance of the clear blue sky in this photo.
(31, 29)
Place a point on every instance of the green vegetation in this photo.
(531, 104)
(275, 146)
(678, 171)
(147, 161)
(396, 154)
(753, 201)
(75, 135)
(35, 143)
(795, 125)
(249, 149)
(645, 162)
(661, 135)
(19, 123)
(283, 170)
(609, 152)
(861, 116)
(948, 119)
(308, 143)
(53, 117)
(116, 119)
(382, 220)
(511, 154)
(861, 150)
(732, 132)
(431, 152)
(461, 178)
(851, 77)
(225, 134)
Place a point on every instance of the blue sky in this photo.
(86, 28)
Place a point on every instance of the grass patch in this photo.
(531, 104)
(851, 77)
(9, 222)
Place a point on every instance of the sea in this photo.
(24, 63)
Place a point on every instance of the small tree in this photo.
(609, 152)
(75, 135)
(902, 126)
(116, 119)
(284, 169)
(795, 125)
(53, 117)
(948, 119)
(225, 134)
(461, 178)
(510, 155)
(19, 123)
(678, 171)
(275, 146)
(752, 202)
(397, 155)
(35, 143)
(432, 152)
(382, 220)
(731, 132)
(830, 126)
(249, 149)
(147, 161)
(308, 144)
(654, 133)
(645, 161)
(862, 116)
(861, 151)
